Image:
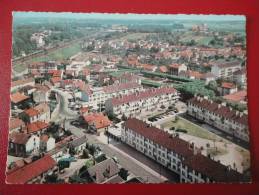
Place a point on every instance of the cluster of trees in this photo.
(189, 89)
(22, 42)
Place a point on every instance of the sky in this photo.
(128, 16)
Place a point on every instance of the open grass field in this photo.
(191, 128)
(58, 54)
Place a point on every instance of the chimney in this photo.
(205, 97)
(237, 113)
(219, 106)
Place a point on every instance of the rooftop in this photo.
(197, 162)
(220, 110)
(142, 95)
(30, 171)
(18, 97)
(36, 126)
(98, 120)
(15, 123)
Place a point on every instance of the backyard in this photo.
(190, 128)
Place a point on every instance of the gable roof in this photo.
(36, 126)
(31, 112)
(104, 170)
(15, 123)
(198, 162)
(18, 97)
(142, 95)
(30, 171)
(98, 120)
(19, 138)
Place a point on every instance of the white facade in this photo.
(169, 158)
(227, 125)
(137, 105)
(224, 72)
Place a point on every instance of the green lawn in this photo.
(60, 54)
(191, 128)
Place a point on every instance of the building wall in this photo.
(226, 125)
(163, 156)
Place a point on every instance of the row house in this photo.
(225, 70)
(99, 95)
(219, 116)
(133, 104)
(176, 154)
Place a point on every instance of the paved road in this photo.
(130, 159)
(62, 111)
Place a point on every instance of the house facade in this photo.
(225, 70)
(150, 99)
(177, 155)
(21, 144)
(220, 116)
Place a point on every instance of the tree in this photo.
(51, 178)
(123, 173)
(85, 153)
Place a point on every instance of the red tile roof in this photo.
(31, 112)
(55, 80)
(15, 123)
(19, 138)
(220, 110)
(18, 97)
(228, 85)
(175, 66)
(163, 69)
(158, 136)
(237, 97)
(98, 120)
(55, 73)
(214, 170)
(121, 86)
(227, 64)
(197, 162)
(142, 95)
(36, 126)
(22, 82)
(31, 171)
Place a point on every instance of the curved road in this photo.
(62, 111)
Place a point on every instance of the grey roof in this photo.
(78, 142)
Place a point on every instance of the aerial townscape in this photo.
(127, 98)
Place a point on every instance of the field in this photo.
(200, 40)
(58, 54)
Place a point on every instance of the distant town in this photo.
(123, 101)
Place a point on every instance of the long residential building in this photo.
(220, 116)
(176, 154)
(97, 96)
(147, 100)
